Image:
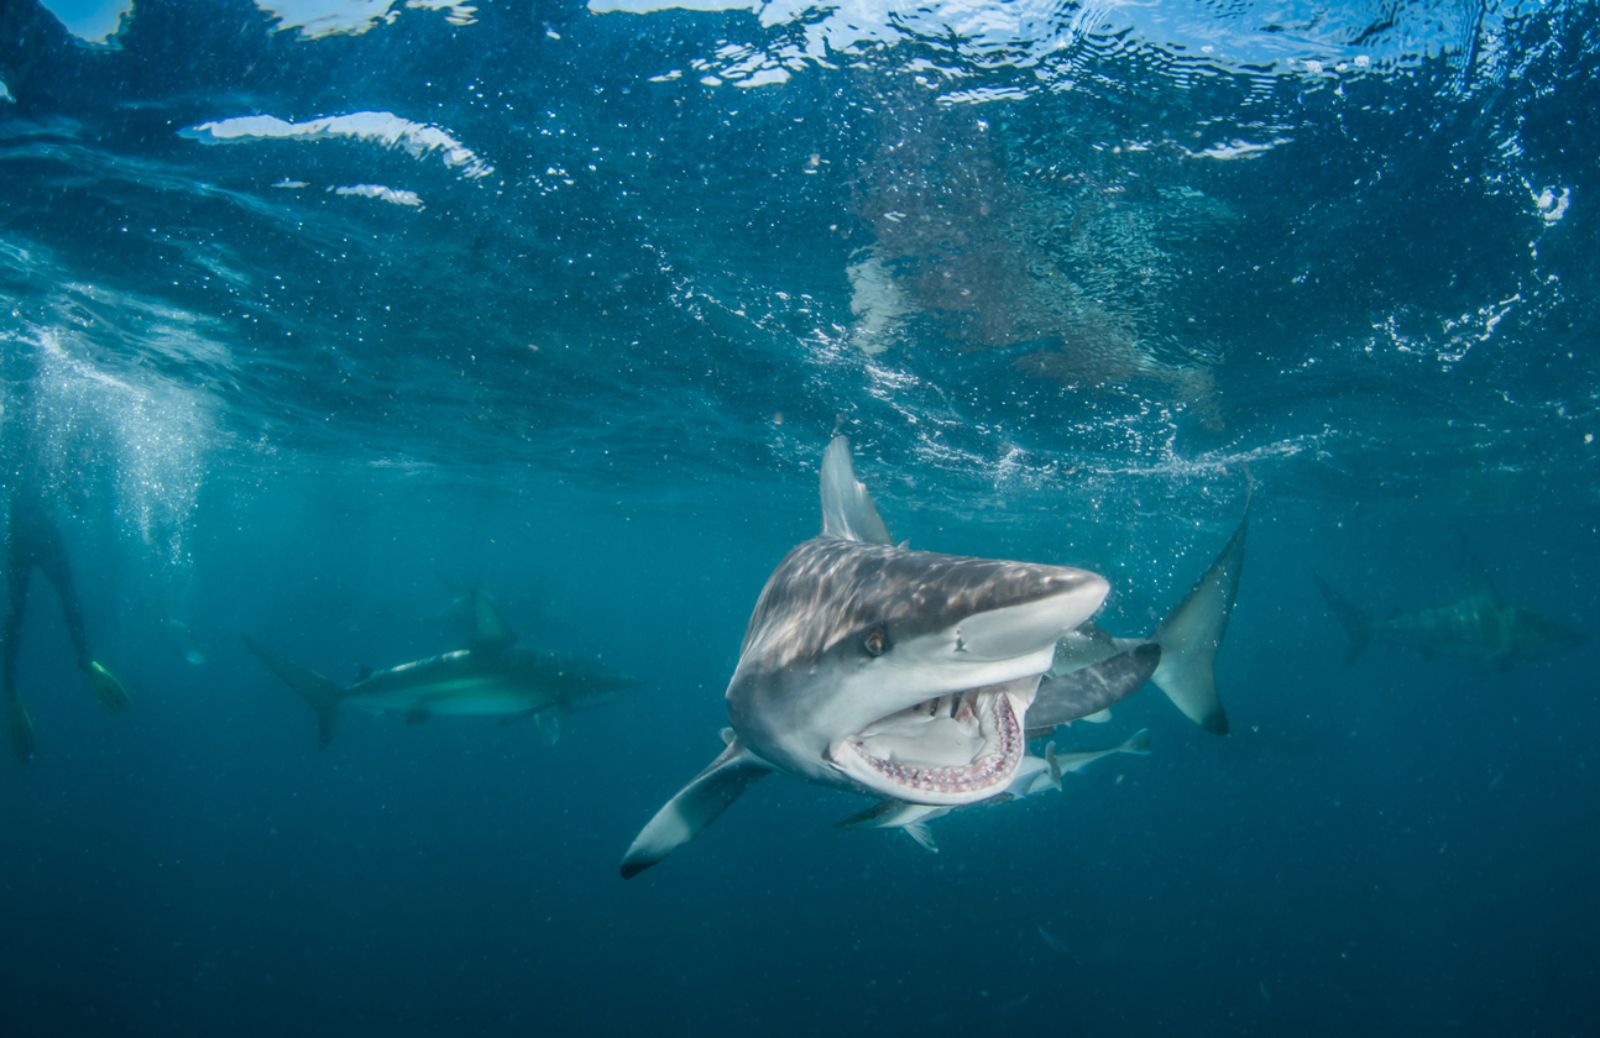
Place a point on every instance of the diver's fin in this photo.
(696, 806)
(319, 693)
(1357, 627)
(847, 508)
(489, 628)
(105, 686)
(20, 726)
(918, 831)
(1190, 634)
(1089, 691)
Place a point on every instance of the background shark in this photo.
(1036, 775)
(901, 674)
(1481, 626)
(493, 676)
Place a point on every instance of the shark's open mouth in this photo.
(957, 748)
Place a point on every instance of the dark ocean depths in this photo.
(318, 313)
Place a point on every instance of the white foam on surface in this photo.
(385, 129)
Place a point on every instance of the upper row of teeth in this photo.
(962, 706)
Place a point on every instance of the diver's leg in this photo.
(104, 684)
(19, 724)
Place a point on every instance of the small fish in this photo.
(1055, 943)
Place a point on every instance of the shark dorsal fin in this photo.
(489, 629)
(847, 508)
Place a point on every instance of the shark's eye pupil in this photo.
(875, 641)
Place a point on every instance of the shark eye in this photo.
(876, 640)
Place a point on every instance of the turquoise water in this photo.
(318, 315)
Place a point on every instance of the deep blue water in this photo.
(316, 314)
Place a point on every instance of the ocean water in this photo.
(317, 314)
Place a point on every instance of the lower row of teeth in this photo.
(983, 772)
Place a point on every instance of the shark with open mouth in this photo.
(866, 666)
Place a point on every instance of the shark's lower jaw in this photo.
(955, 749)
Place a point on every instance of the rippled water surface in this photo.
(317, 314)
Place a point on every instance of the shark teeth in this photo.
(979, 721)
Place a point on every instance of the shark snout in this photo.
(1033, 609)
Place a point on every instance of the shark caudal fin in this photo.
(1357, 627)
(696, 806)
(319, 693)
(1190, 634)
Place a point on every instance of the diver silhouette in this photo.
(34, 543)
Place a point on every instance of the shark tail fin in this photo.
(695, 806)
(319, 693)
(1190, 634)
(1357, 627)
(1138, 743)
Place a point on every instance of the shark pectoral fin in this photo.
(882, 815)
(550, 721)
(847, 508)
(1190, 634)
(523, 715)
(1138, 743)
(696, 806)
(1098, 717)
(1054, 764)
(319, 693)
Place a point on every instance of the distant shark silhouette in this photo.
(906, 675)
(493, 676)
(1480, 626)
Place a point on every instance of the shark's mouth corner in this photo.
(957, 748)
